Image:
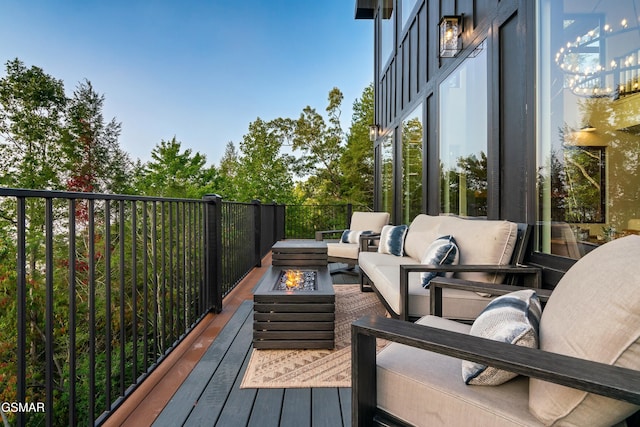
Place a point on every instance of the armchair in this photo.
(347, 253)
(586, 371)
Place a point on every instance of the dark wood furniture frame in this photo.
(369, 243)
(611, 381)
(516, 272)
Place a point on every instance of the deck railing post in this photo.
(276, 231)
(213, 252)
(257, 230)
(349, 213)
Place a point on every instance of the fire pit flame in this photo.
(296, 280)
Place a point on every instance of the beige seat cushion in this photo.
(343, 250)
(369, 221)
(593, 313)
(456, 304)
(426, 389)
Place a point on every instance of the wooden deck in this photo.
(202, 385)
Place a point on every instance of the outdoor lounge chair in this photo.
(347, 251)
(586, 371)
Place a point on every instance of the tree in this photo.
(94, 160)
(263, 172)
(175, 173)
(321, 146)
(356, 163)
(228, 169)
(32, 106)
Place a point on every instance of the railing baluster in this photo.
(92, 309)
(107, 280)
(134, 292)
(72, 311)
(49, 344)
(121, 297)
(21, 273)
(154, 250)
(145, 292)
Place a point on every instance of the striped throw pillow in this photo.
(513, 318)
(353, 236)
(443, 251)
(392, 239)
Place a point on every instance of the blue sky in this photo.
(199, 70)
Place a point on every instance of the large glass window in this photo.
(412, 165)
(463, 138)
(407, 7)
(387, 31)
(588, 124)
(386, 171)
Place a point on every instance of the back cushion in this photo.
(422, 232)
(369, 221)
(594, 314)
(481, 242)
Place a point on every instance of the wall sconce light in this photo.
(373, 132)
(450, 35)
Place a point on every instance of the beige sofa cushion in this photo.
(481, 242)
(422, 232)
(593, 313)
(425, 389)
(369, 221)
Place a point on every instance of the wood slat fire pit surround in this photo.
(288, 319)
(301, 253)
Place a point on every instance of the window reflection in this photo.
(387, 29)
(412, 165)
(386, 169)
(589, 124)
(463, 138)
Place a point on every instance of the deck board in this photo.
(211, 394)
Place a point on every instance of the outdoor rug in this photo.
(316, 368)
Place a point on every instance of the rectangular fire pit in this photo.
(294, 308)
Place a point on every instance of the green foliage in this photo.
(356, 163)
(32, 107)
(93, 159)
(175, 173)
(263, 172)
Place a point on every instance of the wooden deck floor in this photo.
(200, 387)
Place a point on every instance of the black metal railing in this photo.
(302, 221)
(97, 289)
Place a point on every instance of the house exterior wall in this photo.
(533, 111)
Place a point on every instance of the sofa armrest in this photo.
(320, 235)
(483, 268)
(611, 381)
(368, 242)
(438, 283)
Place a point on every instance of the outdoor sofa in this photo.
(584, 369)
(488, 251)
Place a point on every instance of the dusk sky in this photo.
(199, 70)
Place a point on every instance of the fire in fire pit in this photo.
(296, 280)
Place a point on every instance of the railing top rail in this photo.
(57, 194)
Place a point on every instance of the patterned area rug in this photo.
(315, 368)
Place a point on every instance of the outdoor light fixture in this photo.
(373, 132)
(450, 35)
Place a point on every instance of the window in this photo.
(407, 7)
(387, 32)
(588, 138)
(412, 165)
(386, 171)
(463, 138)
